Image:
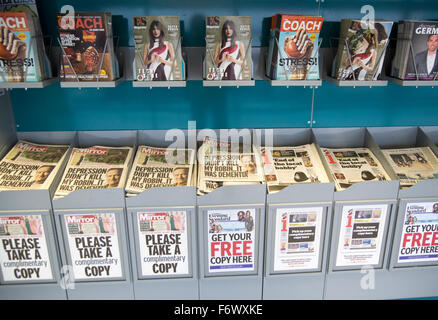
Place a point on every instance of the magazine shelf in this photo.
(91, 84)
(158, 84)
(358, 83)
(413, 83)
(295, 83)
(28, 85)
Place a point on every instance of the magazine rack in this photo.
(161, 286)
(344, 278)
(38, 203)
(160, 84)
(98, 201)
(235, 284)
(226, 83)
(355, 83)
(414, 83)
(77, 83)
(416, 278)
(287, 83)
(292, 283)
(26, 84)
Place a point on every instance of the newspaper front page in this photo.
(351, 165)
(30, 166)
(222, 163)
(160, 167)
(284, 166)
(95, 167)
(412, 165)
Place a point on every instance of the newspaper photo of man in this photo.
(113, 176)
(180, 176)
(42, 174)
(435, 208)
(248, 163)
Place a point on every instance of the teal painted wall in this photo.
(125, 107)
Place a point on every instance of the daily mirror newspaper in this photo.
(352, 165)
(30, 166)
(95, 167)
(160, 167)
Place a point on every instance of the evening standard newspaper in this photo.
(412, 164)
(284, 166)
(30, 166)
(160, 167)
(223, 163)
(351, 165)
(96, 167)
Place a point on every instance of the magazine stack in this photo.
(361, 50)
(415, 55)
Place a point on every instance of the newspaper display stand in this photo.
(165, 283)
(37, 205)
(412, 275)
(306, 281)
(225, 283)
(350, 267)
(100, 280)
(303, 283)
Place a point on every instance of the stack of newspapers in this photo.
(412, 165)
(284, 166)
(161, 167)
(352, 165)
(96, 167)
(223, 163)
(31, 166)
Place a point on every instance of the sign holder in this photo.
(225, 284)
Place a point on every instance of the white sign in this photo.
(163, 243)
(231, 240)
(23, 252)
(419, 240)
(297, 238)
(94, 246)
(361, 235)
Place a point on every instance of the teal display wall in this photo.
(124, 107)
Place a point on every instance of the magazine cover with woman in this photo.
(228, 48)
(361, 50)
(158, 49)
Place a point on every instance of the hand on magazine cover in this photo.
(299, 45)
(11, 46)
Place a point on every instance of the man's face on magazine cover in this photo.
(432, 43)
(180, 176)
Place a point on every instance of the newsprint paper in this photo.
(30, 166)
(222, 164)
(95, 168)
(160, 167)
(284, 166)
(412, 165)
(352, 165)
